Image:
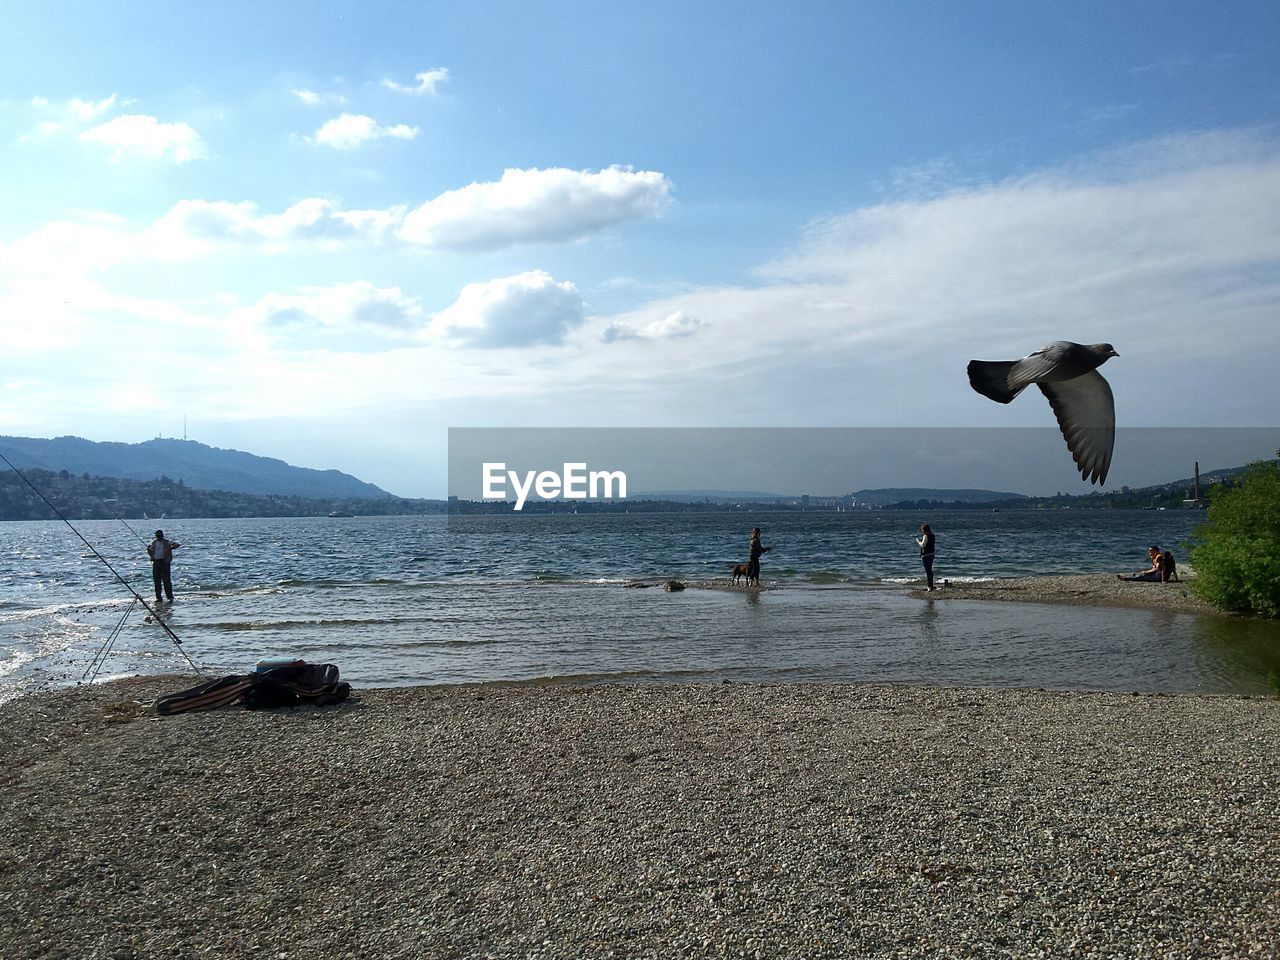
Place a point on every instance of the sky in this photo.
(330, 232)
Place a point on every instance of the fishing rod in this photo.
(94, 550)
(100, 656)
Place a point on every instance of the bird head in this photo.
(1105, 350)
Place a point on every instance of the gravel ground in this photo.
(725, 820)
(1092, 589)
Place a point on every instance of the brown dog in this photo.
(739, 571)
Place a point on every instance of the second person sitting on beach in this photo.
(753, 557)
(1162, 569)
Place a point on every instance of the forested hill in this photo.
(196, 465)
(104, 498)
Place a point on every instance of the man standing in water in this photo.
(926, 542)
(160, 551)
(753, 557)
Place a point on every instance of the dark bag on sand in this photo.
(289, 686)
(286, 686)
(207, 696)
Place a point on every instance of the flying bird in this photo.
(1066, 373)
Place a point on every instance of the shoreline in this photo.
(1080, 589)
(720, 819)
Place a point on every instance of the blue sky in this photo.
(328, 232)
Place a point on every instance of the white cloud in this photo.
(143, 136)
(671, 326)
(313, 98)
(1172, 254)
(427, 82)
(350, 131)
(191, 228)
(68, 248)
(68, 114)
(87, 110)
(1173, 258)
(311, 219)
(520, 311)
(530, 206)
(387, 310)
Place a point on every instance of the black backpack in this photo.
(289, 686)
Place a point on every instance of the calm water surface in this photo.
(407, 600)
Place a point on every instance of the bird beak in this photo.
(1114, 354)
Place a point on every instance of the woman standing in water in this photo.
(754, 550)
(926, 543)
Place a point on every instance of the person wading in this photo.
(753, 557)
(160, 550)
(926, 542)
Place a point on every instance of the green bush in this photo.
(1236, 554)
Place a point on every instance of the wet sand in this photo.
(1091, 589)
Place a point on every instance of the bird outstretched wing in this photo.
(1086, 412)
(1038, 365)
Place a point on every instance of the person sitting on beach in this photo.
(1157, 572)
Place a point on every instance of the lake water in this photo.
(410, 600)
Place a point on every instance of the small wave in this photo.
(828, 577)
(249, 626)
(938, 579)
(15, 662)
(549, 577)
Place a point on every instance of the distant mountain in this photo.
(887, 495)
(195, 464)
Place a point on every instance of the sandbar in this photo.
(1089, 589)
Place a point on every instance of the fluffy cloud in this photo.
(139, 135)
(519, 311)
(350, 131)
(387, 310)
(66, 248)
(87, 110)
(427, 82)
(529, 206)
(191, 227)
(70, 114)
(676, 324)
(311, 219)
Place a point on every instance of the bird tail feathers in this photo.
(991, 379)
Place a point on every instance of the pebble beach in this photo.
(716, 820)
